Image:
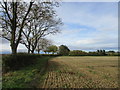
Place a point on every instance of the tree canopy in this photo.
(26, 23)
(63, 50)
(52, 49)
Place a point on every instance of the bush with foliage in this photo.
(63, 50)
(93, 54)
(52, 49)
(112, 53)
(18, 61)
(77, 53)
(101, 52)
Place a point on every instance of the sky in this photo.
(87, 26)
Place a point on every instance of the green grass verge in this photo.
(27, 77)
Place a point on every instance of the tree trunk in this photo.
(28, 51)
(32, 51)
(22, 24)
(28, 48)
(38, 51)
(14, 49)
(13, 44)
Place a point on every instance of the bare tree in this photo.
(43, 44)
(13, 16)
(42, 21)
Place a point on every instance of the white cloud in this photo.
(104, 22)
(84, 42)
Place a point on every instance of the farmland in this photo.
(81, 72)
(65, 72)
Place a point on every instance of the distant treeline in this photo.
(95, 53)
(63, 50)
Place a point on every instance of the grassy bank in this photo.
(27, 77)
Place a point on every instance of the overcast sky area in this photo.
(87, 26)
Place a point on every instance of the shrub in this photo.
(101, 52)
(63, 50)
(77, 53)
(113, 53)
(18, 61)
(93, 54)
(52, 49)
(49, 55)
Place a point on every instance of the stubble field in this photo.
(81, 72)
